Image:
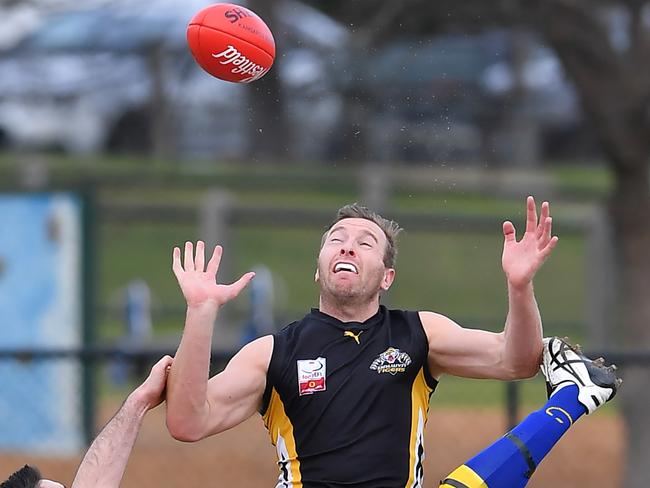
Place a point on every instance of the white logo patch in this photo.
(311, 375)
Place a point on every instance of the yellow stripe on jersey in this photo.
(420, 394)
(467, 476)
(281, 433)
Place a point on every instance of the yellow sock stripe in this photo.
(466, 476)
(420, 394)
(278, 424)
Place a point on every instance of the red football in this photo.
(231, 42)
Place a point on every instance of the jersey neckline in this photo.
(370, 322)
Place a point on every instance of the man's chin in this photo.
(346, 295)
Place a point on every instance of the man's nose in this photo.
(345, 251)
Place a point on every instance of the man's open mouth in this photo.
(349, 267)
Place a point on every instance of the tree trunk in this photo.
(615, 95)
(630, 208)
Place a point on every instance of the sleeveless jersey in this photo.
(346, 402)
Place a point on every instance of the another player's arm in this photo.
(196, 405)
(105, 461)
(515, 352)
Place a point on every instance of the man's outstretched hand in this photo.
(198, 282)
(521, 260)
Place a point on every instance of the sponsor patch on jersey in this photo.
(392, 361)
(311, 375)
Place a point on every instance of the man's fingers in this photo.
(199, 261)
(163, 364)
(176, 261)
(240, 284)
(542, 220)
(531, 215)
(546, 211)
(546, 231)
(549, 247)
(188, 261)
(509, 231)
(215, 260)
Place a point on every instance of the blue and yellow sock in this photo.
(511, 461)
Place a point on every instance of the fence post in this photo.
(215, 217)
(215, 213)
(375, 185)
(602, 299)
(512, 404)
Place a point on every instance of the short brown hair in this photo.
(390, 228)
(25, 477)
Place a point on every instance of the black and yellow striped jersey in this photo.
(346, 402)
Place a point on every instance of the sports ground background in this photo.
(443, 115)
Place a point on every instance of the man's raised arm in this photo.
(514, 353)
(198, 406)
(521, 261)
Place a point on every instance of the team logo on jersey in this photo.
(392, 361)
(311, 375)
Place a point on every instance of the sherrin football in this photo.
(231, 43)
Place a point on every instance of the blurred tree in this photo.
(268, 128)
(609, 66)
(604, 46)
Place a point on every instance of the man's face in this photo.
(351, 262)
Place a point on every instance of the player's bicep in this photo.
(458, 351)
(236, 393)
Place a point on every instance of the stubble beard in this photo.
(349, 293)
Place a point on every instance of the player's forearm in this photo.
(105, 461)
(523, 332)
(187, 383)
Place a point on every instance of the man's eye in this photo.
(366, 244)
(335, 239)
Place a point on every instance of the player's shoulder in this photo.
(397, 311)
(292, 330)
(424, 316)
(292, 327)
(412, 317)
(289, 327)
(435, 323)
(261, 344)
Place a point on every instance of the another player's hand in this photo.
(521, 260)
(151, 392)
(199, 282)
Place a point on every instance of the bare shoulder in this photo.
(440, 330)
(257, 352)
(435, 324)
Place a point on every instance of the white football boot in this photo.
(564, 364)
